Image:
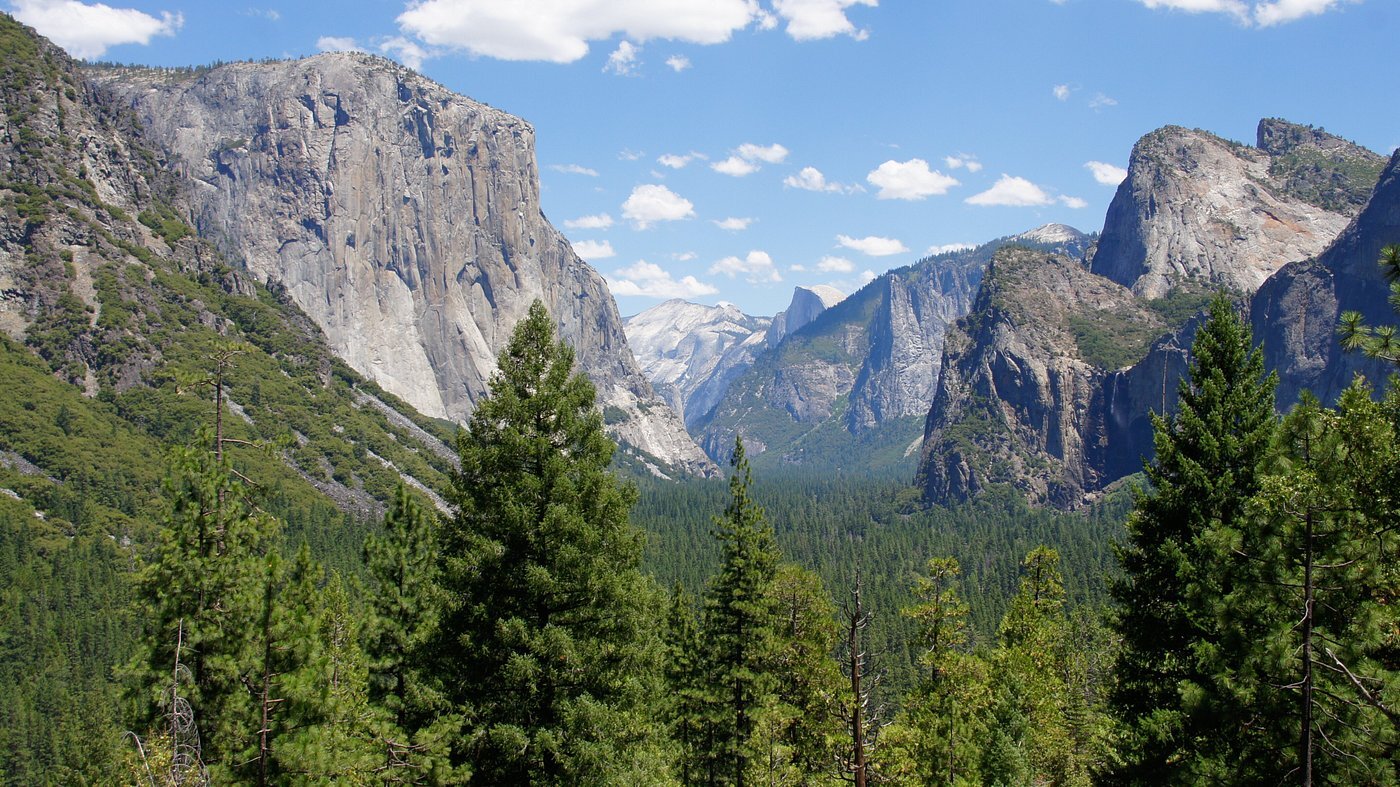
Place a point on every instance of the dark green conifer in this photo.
(547, 642)
(1175, 567)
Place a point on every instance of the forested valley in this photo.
(1226, 618)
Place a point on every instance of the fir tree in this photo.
(738, 631)
(1175, 571)
(547, 639)
(685, 682)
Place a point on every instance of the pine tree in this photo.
(1176, 567)
(738, 632)
(685, 683)
(547, 641)
(201, 590)
(804, 727)
(1380, 341)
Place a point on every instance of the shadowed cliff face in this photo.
(403, 218)
(1295, 314)
(1199, 211)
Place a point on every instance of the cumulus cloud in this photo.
(574, 169)
(1061, 92)
(560, 30)
(948, 248)
(748, 158)
(594, 250)
(1106, 173)
(810, 179)
(963, 160)
(86, 30)
(1281, 11)
(650, 280)
(337, 44)
(911, 180)
(1012, 192)
(1263, 13)
(813, 19)
(410, 53)
(734, 167)
(771, 154)
(600, 221)
(756, 267)
(734, 224)
(678, 63)
(652, 203)
(1074, 203)
(624, 60)
(872, 245)
(835, 265)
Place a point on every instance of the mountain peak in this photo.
(1050, 234)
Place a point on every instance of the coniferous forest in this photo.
(1227, 617)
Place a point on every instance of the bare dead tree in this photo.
(861, 716)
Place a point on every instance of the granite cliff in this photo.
(402, 218)
(1054, 398)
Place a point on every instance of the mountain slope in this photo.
(402, 218)
(850, 390)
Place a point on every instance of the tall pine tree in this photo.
(548, 641)
(738, 629)
(1176, 561)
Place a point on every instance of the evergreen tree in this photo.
(804, 729)
(1317, 659)
(1175, 566)
(738, 631)
(1379, 341)
(201, 593)
(686, 689)
(547, 640)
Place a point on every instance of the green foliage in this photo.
(545, 601)
(1176, 567)
(1380, 341)
(1112, 340)
(161, 218)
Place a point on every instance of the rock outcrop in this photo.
(1295, 313)
(692, 352)
(1201, 212)
(851, 389)
(807, 304)
(403, 218)
(1020, 398)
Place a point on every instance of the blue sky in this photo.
(731, 149)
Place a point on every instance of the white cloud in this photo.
(685, 256)
(337, 44)
(756, 268)
(1061, 92)
(650, 280)
(1280, 11)
(873, 245)
(623, 61)
(270, 14)
(813, 19)
(963, 160)
(810, 179)
(910, 180)
(771, 154)
(1106, 173)
(678, 63)
(594, 250)
(835, 265)
(86, 30)
(1100, 100)
(599, 221)
(410, 53)
(734, 167)
(734, 224)
(948, 248)
(676, 161)
(560, 30)
(1263, 13)
(652, 203)
(574, 169)
(798, 268)
(627, 154)
(1011, 192)
(1074, 203)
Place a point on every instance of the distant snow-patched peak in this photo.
(1051, 234)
